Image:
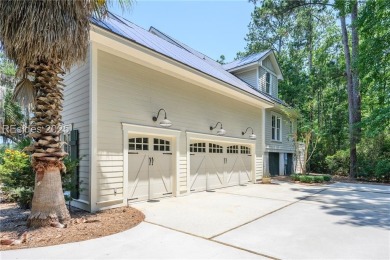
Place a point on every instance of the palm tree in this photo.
(44, 38)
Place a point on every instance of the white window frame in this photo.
(274, 136)
(267, 73)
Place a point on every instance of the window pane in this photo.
(131, 140)
(131, 146)
(145, 140)
(168, 148)
(155, 141)
(145, 147)
(139, 140)
(138, 147)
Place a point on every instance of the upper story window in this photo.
(268, 83)
(276, 128)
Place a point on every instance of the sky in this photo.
(212, 27)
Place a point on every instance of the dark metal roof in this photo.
(134, 33)
(257, 56)
(245, 60)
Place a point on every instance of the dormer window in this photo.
(268, 83)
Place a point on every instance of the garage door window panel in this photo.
(161, 145)
(215, 148)
(198, 148)
(245, 150)
(139, 144)
(232, 149)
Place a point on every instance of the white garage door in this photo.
(150, 168)
(216, 165)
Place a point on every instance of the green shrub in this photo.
(306, 178)
(382, 170)
(338, 163)
(327, 177)
(23, 196)
(18, 177)
(318, 179)
(294, 177)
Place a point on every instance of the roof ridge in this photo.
(166, 35)
(181, 44)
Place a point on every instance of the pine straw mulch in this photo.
(82, 226)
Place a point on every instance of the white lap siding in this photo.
(285, 145)
(130, 93)
(76, 111)
(250, 77)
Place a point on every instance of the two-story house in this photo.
(262, 72)
(155, 118)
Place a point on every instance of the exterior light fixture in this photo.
(165, 122)
(251, 136)
(220, 131)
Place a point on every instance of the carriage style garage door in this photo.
(150, 168)
(216, 165)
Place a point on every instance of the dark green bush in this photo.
(318, 179)
(327, 177)
(294, 177)
(338, 163)
(382, 170)
(306, 178)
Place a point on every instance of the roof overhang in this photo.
(124, 48)
(274, 62)
(245, 67)
(255, 64)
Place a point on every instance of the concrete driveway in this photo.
(283, 221)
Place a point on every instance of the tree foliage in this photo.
(307, 38)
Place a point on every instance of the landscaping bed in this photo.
(306, 179)
(82, 226)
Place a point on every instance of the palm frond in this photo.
(31, 31)
(101, 7)
(48, 30)
(24, 92)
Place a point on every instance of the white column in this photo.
(281, 163)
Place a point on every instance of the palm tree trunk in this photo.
(48, 203)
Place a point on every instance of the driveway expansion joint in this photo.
(209, 239)
(269, 213)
